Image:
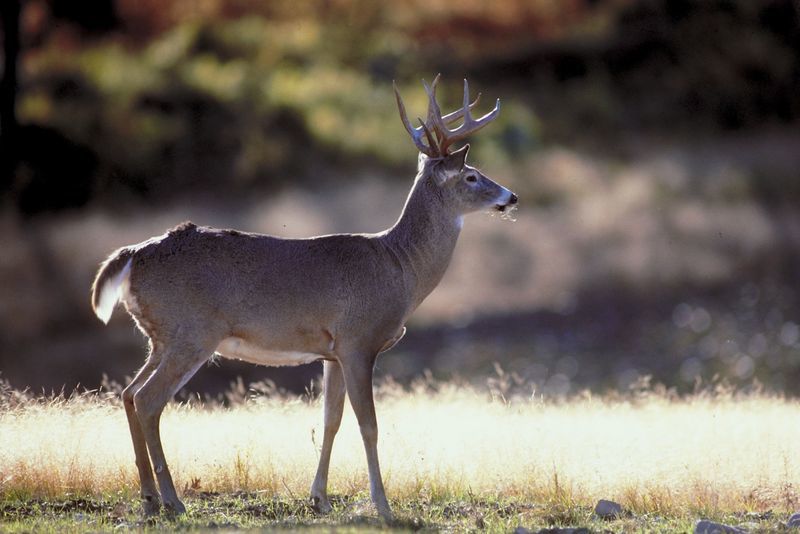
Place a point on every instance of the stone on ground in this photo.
(607, 509)
(554, 530)
(705, 526)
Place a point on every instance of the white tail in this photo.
(111, 292)
(341, 299)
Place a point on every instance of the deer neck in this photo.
(423, 238)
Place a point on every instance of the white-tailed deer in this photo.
(342, 299)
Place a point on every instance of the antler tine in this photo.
(472, 126)
(434, 112)
(435, 130)
(450, 117)
(457, 114)
(467, 116)
(469, 126)
(428, 134)
(415, 133)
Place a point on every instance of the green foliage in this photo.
(245, 94)
(240, 101)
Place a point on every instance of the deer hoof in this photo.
(386, 513)
(320, 504)
(175, 507)
(151, 505)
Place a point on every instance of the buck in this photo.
(342, 299)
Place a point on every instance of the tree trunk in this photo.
(10, 12)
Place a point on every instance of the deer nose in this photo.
(513, 199)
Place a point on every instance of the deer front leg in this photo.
(358, 381)
(333, 402)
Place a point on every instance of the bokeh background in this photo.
(654, 145)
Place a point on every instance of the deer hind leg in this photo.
(177, 365)
(149, 492)
(333, 402)
(358, 381)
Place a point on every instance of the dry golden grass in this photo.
(708, 453)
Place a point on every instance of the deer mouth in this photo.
(510, 202)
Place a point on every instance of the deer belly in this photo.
(238, 349)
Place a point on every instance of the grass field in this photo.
(454, 457)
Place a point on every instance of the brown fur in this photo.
(340, 298)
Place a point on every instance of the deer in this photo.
(341, 299)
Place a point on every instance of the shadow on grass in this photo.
(206, 510)
(259, 511)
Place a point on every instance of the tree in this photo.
(10, 12)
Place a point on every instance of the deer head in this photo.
(461, 185)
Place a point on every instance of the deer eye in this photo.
(471, 178)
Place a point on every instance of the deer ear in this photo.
(451, 165)
(457, 160)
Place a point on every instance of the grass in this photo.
(454, 457)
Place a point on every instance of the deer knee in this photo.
(127, 396)
(331, 428)
(147, 408)
(369, 433)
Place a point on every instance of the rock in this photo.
(794, 521)
(705, 526)
(522, 530)
(568, 530)
(607, 509)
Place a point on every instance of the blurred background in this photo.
(654, 145)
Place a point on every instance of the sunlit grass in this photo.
(707, 454)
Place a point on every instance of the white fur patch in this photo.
(421, 159)
(445, 176)
(112, 291)
(393, 341)
(238, 349)
(450, 174)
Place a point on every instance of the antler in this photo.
(415, 133)
(448, 137)
(435, 131)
